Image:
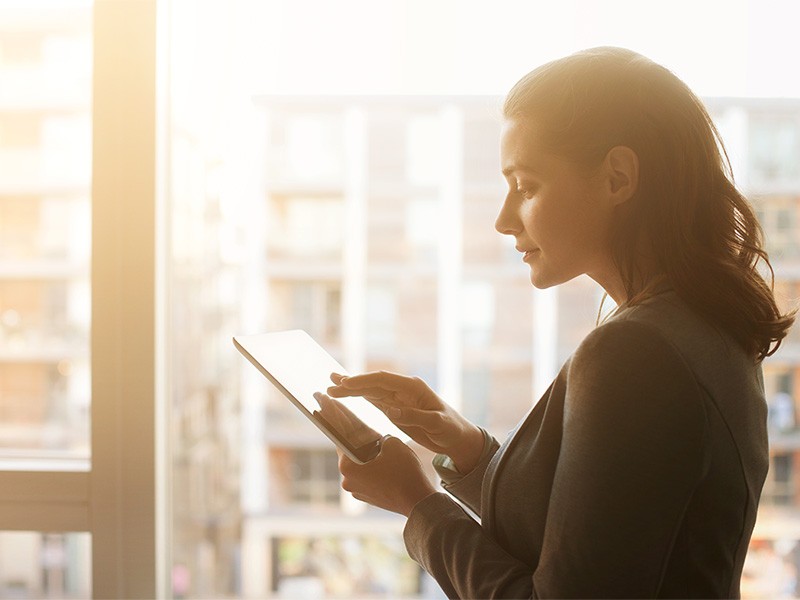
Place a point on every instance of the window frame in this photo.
(120, 496)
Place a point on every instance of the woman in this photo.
(638, 473)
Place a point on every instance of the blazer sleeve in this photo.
(467, 488)
(632, 453)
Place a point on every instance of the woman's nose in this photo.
(506, 223)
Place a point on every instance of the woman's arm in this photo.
(467, 487)
(632, 453)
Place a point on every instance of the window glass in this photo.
(477, 312)
(424, 149)
(343, 567)
(305, 227)
(778, 217)
(45, 565)
(312, 305)
(313, 147)
(318, 211)
(45, 233)
(775, 148)
(780, 487)
(423, 227)
(313, 477)
(381, 318)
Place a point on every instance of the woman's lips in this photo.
(529, 253)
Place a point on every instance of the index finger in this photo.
(393, 382)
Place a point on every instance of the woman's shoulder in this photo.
(665, 330)
(627, 369)
(625, 343)
(668, 317)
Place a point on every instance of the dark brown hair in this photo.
(687, 216)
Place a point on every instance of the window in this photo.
(778, 217)
(781, 485)
(306, 147)
(424, 147)
(329, 254)
(312, 476)
(21, 130)
(305, 228)
(44, 240)
(311, 305)
(245, 175)
(477, 313)
(20, 48)
(423, 227)
(775, 148)
(381, 318)
(45, 565)
(68, 300)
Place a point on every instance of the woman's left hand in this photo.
(393, 480)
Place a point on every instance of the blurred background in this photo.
(333, 166)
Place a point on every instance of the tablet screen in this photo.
(300, 367)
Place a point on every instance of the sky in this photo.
(720, 48)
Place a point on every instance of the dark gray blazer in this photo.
(637, 474)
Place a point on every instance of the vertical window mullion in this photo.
(125, 552)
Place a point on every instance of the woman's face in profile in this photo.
(554, 209)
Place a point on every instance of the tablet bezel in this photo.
(360, 455)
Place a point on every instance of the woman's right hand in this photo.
(418, 411)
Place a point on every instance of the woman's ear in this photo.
(622, 174)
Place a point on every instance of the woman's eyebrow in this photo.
(525, 168)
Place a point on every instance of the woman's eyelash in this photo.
(523, 191)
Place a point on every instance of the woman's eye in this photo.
(525, 193)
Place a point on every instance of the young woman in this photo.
(639, 471)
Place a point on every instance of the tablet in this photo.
(299, 367)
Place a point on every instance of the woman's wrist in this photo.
(466, 454)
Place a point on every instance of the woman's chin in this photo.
(542, 280)
(541, 283)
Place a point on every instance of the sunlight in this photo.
(719, 47)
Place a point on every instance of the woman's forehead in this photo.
(520, 150)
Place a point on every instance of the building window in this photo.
(477, 386)
(21, 48)
(381, 318)
(306, 227)
(422, 227)
(45, 565)
(775, 149)
(314, 306)
(21, 130)
(477, 313)
(424, 150)
(779, 488)
(777, 214)
(313, 477)
(306, 148)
